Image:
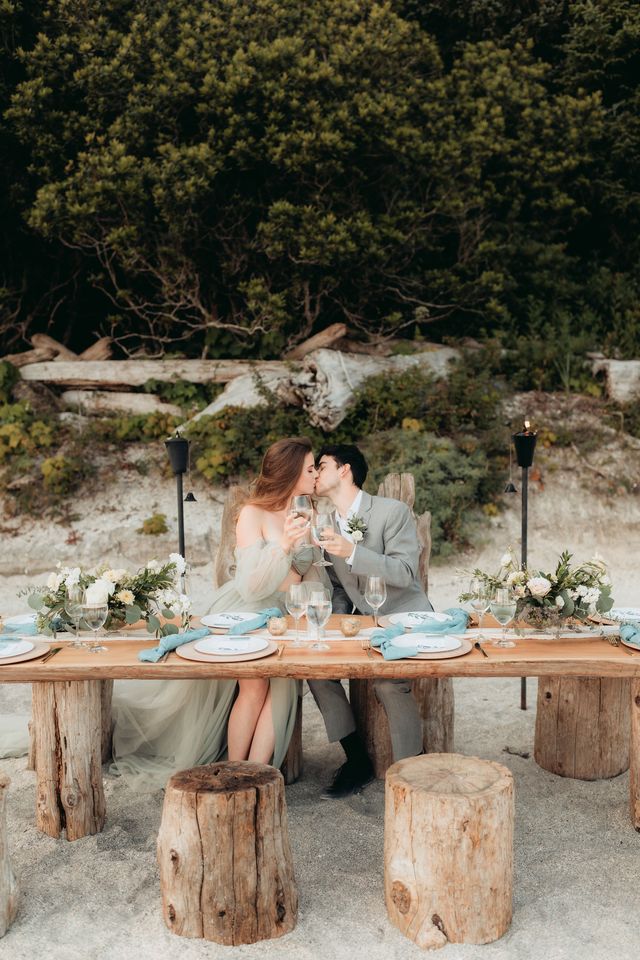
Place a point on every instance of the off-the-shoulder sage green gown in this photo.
(162, 726)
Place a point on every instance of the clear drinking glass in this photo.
(296, 602)
(480, 597)
(503, 608)
(320, 522)
(375, 594)
(318, 612)
(95, 615)
(73, 609)
(301, 507)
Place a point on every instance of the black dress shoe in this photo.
(348, 779)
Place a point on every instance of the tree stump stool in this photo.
(69, 793)
(291, 768)
(8, 884)
(448, 849)
(435, 701)
(226, 872)
(582, 726)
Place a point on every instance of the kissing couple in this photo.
(164, 726)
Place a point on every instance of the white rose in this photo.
(560, 602)
(99, 591)
(516, 577)
(153, 565)
(538, 586)
(582, 590)
(73, 577)
(356, 536)
(54, 581)
(179, 562)
(125, 596)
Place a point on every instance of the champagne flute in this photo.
(296, 603)
(503, 608)
(95, 615)
(321, 522)
(480, 597)
(73, 608)
(375, 594)
(318, 612)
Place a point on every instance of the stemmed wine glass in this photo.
(297, 599)
(95, 615)
(503, 608)
(301, 507)
(480, 597)
(73, 608)
(375, 594)
(320, 523)
(318, 612)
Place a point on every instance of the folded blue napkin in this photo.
(26, 629)
(382, 640)
(631, 633)
(458, 623)
(170, 642)
(261, 619)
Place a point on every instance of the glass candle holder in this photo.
(277, 626)
(350, 626)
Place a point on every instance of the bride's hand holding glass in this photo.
(294, 531)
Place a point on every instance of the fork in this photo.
(366, 646)
(615, 642)
(50, 653)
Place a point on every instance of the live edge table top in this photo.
(592, 657)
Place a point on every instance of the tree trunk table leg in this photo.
(291, 768)
(106, 693)
(31, 756)
(67, 720)
(582, 726)
(8, 885)
(435, 700)
(634, 779)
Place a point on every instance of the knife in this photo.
(50, 653)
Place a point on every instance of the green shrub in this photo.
(61, 474)
(9, 376)
(154, 525)
(188, 396)
(450, 483)
(138, 428)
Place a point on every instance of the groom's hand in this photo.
(338, 546)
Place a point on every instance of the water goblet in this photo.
(375, 594)
(321, 522)
(318, 612)
(480, 597)
(95, 615)
(296, 603)
(503, 608)
(74, 597)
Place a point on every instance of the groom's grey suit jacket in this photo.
(389, 549)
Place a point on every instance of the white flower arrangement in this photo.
(356, 527)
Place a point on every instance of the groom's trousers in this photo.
(405, 724)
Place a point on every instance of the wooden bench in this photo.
(448, 849)
(226, 872)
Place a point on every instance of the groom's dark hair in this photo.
(347, 453)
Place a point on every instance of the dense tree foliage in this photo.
(234, 175)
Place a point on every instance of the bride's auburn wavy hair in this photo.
(280, 471)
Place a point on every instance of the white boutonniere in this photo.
(356, 527)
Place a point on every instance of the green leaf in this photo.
(36, 601)
(168, 614)
(153, 624)
(169, 629)
(132, 613)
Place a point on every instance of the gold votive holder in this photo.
(350, 626)
(277, 626)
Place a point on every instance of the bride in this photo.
(166, 725)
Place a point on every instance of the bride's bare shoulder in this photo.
(250, 519)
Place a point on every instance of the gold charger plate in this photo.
(188, 652)
(465, 647)
(40, 647)
(631, 646)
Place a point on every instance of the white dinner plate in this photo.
(223, 620)
(23, 620)
(415, 618)
(224, 646)
(15, 648)
(622, 614)
(427, 643)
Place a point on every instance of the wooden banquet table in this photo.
(74, 721)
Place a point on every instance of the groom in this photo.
(377, 537)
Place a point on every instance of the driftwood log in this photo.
(621, 378)
(226, 872)
(634, 771)
(324, 340)
(67, 725)
(448, 849)
(434, 696)
(8, 884)
(582, 726)
(97, 402)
